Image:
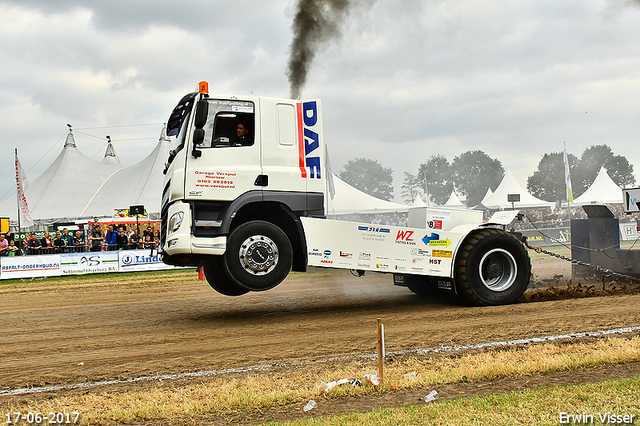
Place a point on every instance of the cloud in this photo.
(404, 80)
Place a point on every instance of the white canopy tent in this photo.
(481, 205)
(75, 186)
(418, 202)
(349, 200)
(454, 201)
(499, 199)
(603, 190)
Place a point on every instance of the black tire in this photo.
(492, 267)
(258, 255)
(218, 280)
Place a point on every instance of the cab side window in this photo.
(232, 129)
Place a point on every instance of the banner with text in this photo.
(30, 266)
(89, 262)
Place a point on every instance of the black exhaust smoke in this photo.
(315, 23)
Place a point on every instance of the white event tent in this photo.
(499, 200)
(603, 190)
(75, 186)
(454, 201)
(349, 200)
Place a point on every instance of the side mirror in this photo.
(202, 113)
(198, 136)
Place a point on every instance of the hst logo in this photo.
(308, 140)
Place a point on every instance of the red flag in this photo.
(23, 209)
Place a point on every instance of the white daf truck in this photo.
(245, 197)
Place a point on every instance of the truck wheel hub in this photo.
(259, 254)
(498, 270)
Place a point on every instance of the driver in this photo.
(243, 138)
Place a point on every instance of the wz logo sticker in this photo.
(405, 237)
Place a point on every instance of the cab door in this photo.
(219, 168)
(292, 150)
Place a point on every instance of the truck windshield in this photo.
(178, 143)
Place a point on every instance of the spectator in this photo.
(135, 241)
(13, 250)
(122, 240)
(78, 242)
(58, 242)
(111, 238)
(148, 231)
(4, 245)
(96, 237)
(148, 242)
(46, 242)
(34, 246)
(67, 237)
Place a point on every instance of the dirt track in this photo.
(71, 334)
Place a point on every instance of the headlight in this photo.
(175, 221)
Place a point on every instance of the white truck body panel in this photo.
(362, 246)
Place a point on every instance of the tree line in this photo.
(471, 173)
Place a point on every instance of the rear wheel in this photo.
(492, 267)
(218, 280)
(258, 255)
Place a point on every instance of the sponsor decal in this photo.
(405, 237)
(382, 258)
(364, 265)
(437, 214)
(417, 251)
(437, 271)
(413, 268)
(195, 193)
(442, 253)
(374, 233)
(346, 255)
(445, 285)
(416, 260)
(435, 261)
(400, 268)
(382, 266)
(308, 140)
(400, 259)
(434, 240)
(374, 229)
(213, 179)
(364, 256)
(434, 224)
(325, 257)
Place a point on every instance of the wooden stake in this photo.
(380, 349)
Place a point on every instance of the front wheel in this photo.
(258, 255)
(218, 280)
(492, 267)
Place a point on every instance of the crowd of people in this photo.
(98, 238)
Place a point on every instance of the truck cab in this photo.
(217, 179)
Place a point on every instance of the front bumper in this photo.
(181, 243)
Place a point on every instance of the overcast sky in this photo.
(403, 80)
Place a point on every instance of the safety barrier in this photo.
(51, 265)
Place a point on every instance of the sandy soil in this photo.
(72, 333)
